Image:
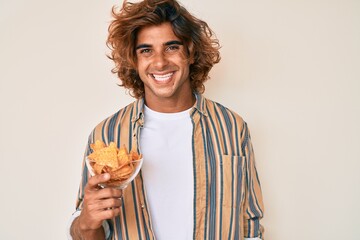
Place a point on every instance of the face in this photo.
(163, 66)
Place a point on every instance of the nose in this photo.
(160, 61)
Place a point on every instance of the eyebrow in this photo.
(142, 46)
(174, 42)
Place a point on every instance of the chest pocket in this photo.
(233, 180)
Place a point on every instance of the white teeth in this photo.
(163, 77)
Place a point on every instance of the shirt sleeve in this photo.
(84, 179)
(84, 176)
(253, 202)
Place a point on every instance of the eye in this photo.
(172, 48)
(145, 51)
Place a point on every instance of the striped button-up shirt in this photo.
(227, 195)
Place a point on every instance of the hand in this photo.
(99, 204)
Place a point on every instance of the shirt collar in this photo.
(138, 109)
(200, 106)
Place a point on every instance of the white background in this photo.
(290, 68)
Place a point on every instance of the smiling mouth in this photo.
(162, 78)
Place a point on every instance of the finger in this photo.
(110, 213)
(94, 181)
(92, 198)
(109, 203)
(108, 193)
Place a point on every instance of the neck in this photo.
(171, 105)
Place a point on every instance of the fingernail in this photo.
(106, 176)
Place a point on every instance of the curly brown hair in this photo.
(190, 30)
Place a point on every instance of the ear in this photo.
(133, 63)
(191, 52)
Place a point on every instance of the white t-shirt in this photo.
(166, 144)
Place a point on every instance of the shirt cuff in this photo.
(105, 225)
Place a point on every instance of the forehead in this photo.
(156, 34)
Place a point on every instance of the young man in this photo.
(198, 179)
